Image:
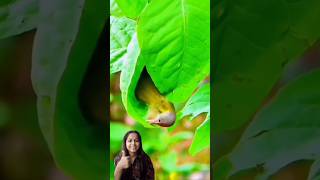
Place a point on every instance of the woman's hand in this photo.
(124, 162)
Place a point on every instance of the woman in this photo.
(133, 163)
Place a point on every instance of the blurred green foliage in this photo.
(63, 49)
(265, 95)
(24, 153)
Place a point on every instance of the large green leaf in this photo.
(286, 130)
(198, 103)
(254, 40)
(174, 37)
(63, 46)
(18, 16)
(128, 81)
(114, 9)
(201, 139)
(132, 8)
(121, 32)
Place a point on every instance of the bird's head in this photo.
(165, 119)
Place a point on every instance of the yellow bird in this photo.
(160, 111)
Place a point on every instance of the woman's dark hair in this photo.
(124, 147)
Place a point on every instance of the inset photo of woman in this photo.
(132, 162)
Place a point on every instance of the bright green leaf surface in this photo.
(174, 37)
(286, 130)
(132, 8)
(201, 139)
(18, 16)
(128, 82)
(253, 42)
(199, 102)
(63, 46)
(121, 32)
(114, 9)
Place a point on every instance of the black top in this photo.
(140, 169)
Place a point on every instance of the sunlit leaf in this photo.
(201, 139)
(198, 103)
(121, 32)
(132, 8)
(115, 10)
(174, 37)
(128, 81)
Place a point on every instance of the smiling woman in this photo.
(133, 163)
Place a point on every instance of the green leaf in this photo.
(121, 32)
(128, 81)
(284, 131)
(63, 46)
(114, 9)
(199, 102)
(132, 8)
(201, 138)
(296, 105)
(276, 149)
(253, 43)
(174, 37)
(18, 16)
(315, 170)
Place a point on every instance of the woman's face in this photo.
(133, 143)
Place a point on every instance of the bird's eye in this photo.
(159, 120)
